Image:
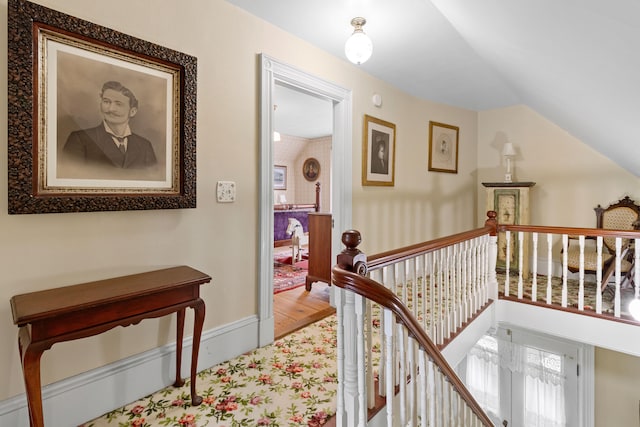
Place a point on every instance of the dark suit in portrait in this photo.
(96, 147)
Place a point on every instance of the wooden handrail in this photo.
(626, 234)
(374, 291)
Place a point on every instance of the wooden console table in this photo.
(72, 312)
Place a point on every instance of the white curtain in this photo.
(544, 404)
(483, 376)
(543, 373)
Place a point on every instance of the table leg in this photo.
(30, 358)
(199, 310)
(180, 334)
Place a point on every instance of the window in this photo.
(525, 378)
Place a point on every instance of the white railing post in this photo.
(350, 361)
(351, 407)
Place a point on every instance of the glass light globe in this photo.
(358, 48)
(634, 308)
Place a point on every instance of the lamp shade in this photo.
(508, 150)
(358, 47)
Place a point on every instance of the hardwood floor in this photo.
(298, 308)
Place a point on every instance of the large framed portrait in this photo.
(378, 152)
(443, 147)
(98, 120)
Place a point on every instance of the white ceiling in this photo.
(576, 62)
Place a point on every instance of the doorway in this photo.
(274, 72)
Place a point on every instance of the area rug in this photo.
(287, 276)
(289, 383)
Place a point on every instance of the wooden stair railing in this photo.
(413, 371)
(557, 239)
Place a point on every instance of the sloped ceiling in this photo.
(576, 62)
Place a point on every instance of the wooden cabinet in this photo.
(511, 202)
(319, 249)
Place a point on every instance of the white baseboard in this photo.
(72, 401)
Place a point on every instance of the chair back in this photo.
(623, 215)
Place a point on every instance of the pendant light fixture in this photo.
(358, 47)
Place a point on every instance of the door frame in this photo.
(274, 71)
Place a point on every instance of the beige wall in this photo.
(422, 205)
(571, 178)
(43, 251)
(617, 394)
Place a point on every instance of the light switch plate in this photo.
(226, 191)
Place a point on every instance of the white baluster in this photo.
(616, 305)
(371, 391)
(581, 276)
(423, 388)
(520, 262)
(447, 290)
(412, 392)
(422, 262)
(402, 373)
(415, 306)
(457, 313)
(440, 306)
(534, 278)
(565, 241)
(380, 276)
(432, 298)
(389, 368)
(431, 384)
(549, 266)
(637, 267)
(599, 274)
(492, 254)
(507, 236)
(360, 309)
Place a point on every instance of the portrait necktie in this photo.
(121, 146)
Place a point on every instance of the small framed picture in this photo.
(311, 169)
(279, 177)
(378, 152)
(443, 147)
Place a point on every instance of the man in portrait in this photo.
(111, 144)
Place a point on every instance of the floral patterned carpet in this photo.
(290, 383)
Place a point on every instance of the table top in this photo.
(40, 305)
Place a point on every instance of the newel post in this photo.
(493, 254)
(351, 399)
